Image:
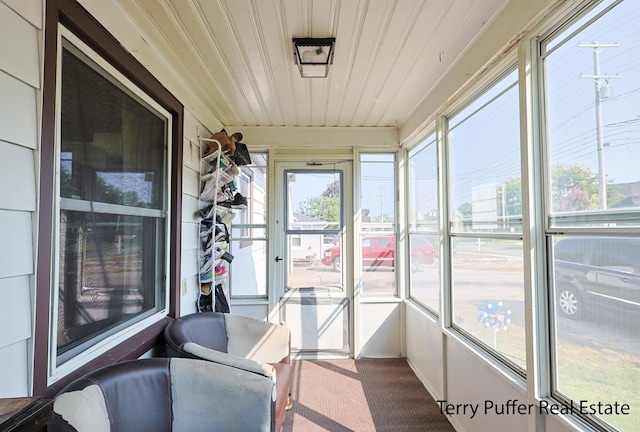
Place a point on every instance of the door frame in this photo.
(277, 234)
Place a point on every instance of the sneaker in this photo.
(223, 254)
(226, 216)
(205, 298)
(233, 169)
(222, 233)
(207, 212)
(207, 264)
(232, 185)
(206, 277)
(213, 185)
(238, 202)
(209, 191)
(206, 228)
(206, 232)
(223, 196)
(220, 272)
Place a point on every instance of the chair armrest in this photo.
(261, 341)
(230, 360)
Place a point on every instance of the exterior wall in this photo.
(190, 206)
(20, 80)
(21, 42)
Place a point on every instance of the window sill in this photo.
(132, 348)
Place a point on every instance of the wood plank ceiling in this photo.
(236, 55)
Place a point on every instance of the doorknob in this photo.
(278, 259)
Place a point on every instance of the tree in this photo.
(576, 199)
(321, 207)
(326, 206)
(333, 190)
(513, 196)
(573, 188)
(569, 181)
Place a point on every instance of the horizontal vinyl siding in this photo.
(17, 177)
(20, 77)
(14, 371)
(190, 206)
(18, 119)
(15, 310)
(30, 10)
(19, 47)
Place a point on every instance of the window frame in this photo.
(78, 21)
(61, 364)
(495, 88)
(413, 229)
(242, 233)
(574, 224)
(374, 229)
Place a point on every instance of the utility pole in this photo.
(601, 82)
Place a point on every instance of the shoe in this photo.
(206, 277)
(239, 202)
(222, 234)
(224, 195)
(221, 301)
(233, 168)
(224, 141)
(207, 264)
(206, 228)
(226, 216)
(220, 272)
(205, 298)
(241, 155)
(207, 212)
(223, 254)
(209, 190)
(229, 146)
(216, 179)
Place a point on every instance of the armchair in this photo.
(164, 395)
(236, 341)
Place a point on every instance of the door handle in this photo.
(278, 259)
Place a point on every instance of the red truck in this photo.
(380, 251)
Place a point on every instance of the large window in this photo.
(111, 217)
(249, 232)
(377, 239)
(593, 209)
(486, 222)
(423, 224)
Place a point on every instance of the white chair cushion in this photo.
(84, 409)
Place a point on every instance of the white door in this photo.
(313, 222)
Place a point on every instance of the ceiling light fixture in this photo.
(313, 56)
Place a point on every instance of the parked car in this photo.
(597, 274)
(380, 251)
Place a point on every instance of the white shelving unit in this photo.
(213, 270)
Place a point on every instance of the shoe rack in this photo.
(217, 175)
